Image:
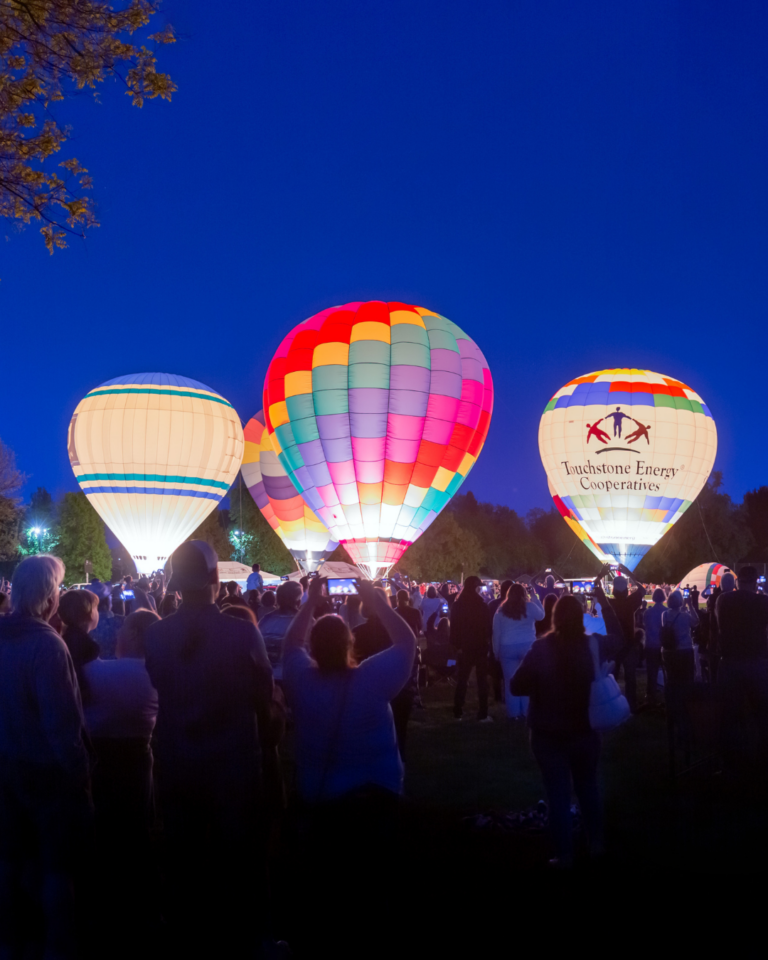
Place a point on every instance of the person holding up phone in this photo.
(345, 733)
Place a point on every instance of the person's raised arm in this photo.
(693, 613)
(640, 588)
(611, 621)
(298, 632)
(613, 626)
(534, 599)
(397, 628)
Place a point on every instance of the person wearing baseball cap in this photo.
(213, 681)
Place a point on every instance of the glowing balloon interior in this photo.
(286, 512)
(377, 412)
(626, 452)
(704, 576)
(154, 453)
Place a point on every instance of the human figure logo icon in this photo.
(640, 431)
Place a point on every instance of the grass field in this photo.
(703, 821)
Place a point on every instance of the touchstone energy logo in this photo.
(591, 475)
(626, 451)
(618, 417)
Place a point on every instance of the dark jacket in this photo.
(471, 624)
(558, 679)
(742, 619)
(212, 678)
(625, 606)
(40, 714)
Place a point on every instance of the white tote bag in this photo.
(608, 707)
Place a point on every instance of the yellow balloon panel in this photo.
(626, 452)
(154, 453)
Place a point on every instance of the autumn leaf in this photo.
(48, 49)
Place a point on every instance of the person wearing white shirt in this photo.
(514, 632)
(255, 580)
(431, 604)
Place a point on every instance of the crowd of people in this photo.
(148, 710)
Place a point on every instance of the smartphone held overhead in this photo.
(342, 587)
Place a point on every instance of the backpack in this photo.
(668, 636)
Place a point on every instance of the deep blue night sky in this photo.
(578, 186)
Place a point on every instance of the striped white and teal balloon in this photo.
(154, 453)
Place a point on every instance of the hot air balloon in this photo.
(626, 453)
(704, 576)
(154, 453)
(285, 510)
(377, 412)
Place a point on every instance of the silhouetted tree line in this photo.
(469, 536)
(496, 541)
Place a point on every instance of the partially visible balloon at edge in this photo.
(154, 453)
(377, 411)
(285, 510)
(705, 575)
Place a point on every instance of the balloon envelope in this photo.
(154, 453)
(705, 575)
(377, 411)
(626, 452)
(285, 510)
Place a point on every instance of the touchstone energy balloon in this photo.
(154, 453)
(626, 453)
(285, 510)
(378, 412)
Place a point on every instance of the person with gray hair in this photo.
(44, 766)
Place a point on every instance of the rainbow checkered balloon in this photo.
(377, 411)
(626, 452)
(285, 510)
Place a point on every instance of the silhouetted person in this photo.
(557, 675)
(742, 619)
(652, 626)
(471, 637)
(625, 605)
(105, 633)
(45, 805)
(213, 681)
(727, 585)
(274, 625)
(679, 660)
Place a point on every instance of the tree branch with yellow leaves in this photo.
(48, 49)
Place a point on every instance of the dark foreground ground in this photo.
(465, 879)
(456, 873)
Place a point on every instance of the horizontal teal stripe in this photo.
(168, 393)
(154, 477)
